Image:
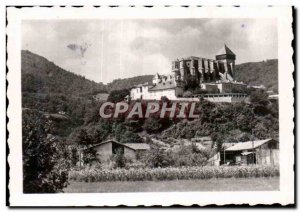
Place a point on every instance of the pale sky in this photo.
(104, 50)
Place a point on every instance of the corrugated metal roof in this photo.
(247, 145)
(138, 146)
(247, 153)
(228, 144)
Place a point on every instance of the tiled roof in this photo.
(248, 145)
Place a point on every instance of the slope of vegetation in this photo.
(42, 76)
(50, 89)
(58, 109)
(259, 73)
(120, 84)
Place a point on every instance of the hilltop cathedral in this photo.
(215, 78)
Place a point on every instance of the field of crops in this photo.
(183, 173)
(214, 184)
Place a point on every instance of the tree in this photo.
(82, 137)
(131, 137)
(117, 95)
(157, 157)
(119, 130)
(152, 125)
(119, 159)
(258, 95)
(74, 156)
(44, 168)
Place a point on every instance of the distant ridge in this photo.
(127, 83)
(40, 75)
(259, 73)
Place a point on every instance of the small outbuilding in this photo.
(105, 150)
(260, 152)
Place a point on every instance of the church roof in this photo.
(225, 50)
(157, 76)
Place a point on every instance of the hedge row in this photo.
(205, 172)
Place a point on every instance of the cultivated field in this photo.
(172, 173)
(220, 184)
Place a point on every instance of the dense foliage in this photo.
(42, 76)
(66, 111)
(118, 95)
(45, 169)
(259, 73)
(121, 84)
(178, 156)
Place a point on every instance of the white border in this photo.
(286, 83)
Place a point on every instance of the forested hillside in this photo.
(52, 90)
(120, 84)
(42, 76)
(253, 73)
(259, 73)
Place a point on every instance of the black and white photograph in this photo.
(134, 104)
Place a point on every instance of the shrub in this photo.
(119, 159)
(152, 125)
(117, 95)
(131, 137)
(45, 170)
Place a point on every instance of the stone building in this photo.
(212, 76)
(204, 70)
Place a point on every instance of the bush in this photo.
(117, 95)
(152, 125)
(45, 169)
(131, 137)
(157, 157)
(119, 159)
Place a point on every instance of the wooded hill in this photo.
(259, 73)
(42, 76)
(51, 89)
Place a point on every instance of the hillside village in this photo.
(153, 142)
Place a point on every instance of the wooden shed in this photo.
(105, 150)
(260, 152)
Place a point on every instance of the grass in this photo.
(220, 184)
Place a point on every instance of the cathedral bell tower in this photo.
(226, 60)
(176, 72)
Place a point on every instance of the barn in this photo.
(260, 152)
(105, 150)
